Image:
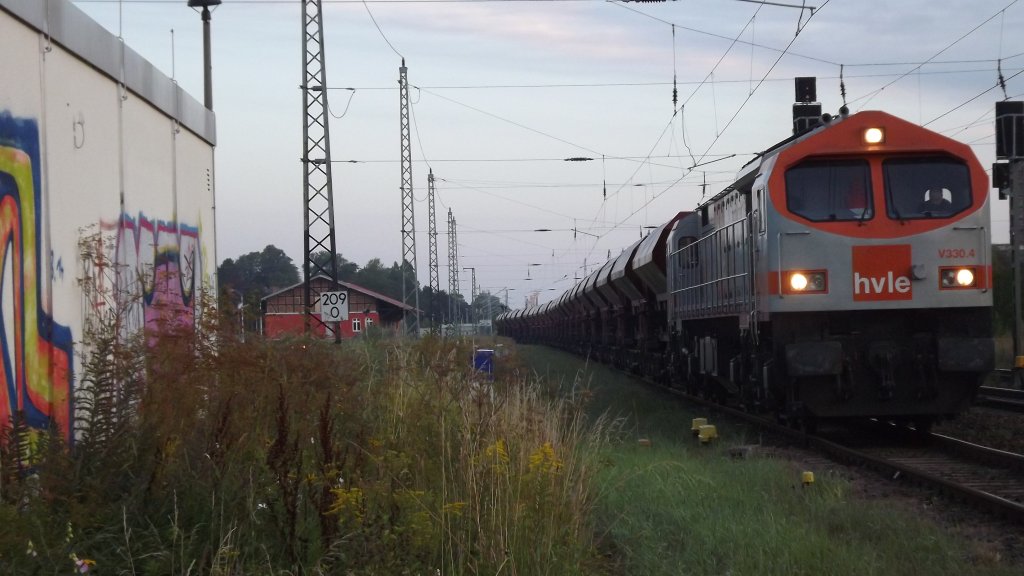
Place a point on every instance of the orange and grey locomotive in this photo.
(845, 273)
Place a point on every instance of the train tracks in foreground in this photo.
(984, 478)
(1005, 399)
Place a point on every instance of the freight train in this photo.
(845, 273)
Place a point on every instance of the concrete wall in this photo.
(100, 151)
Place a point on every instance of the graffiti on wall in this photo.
(36, 352)
(148, 269)
(156, 269)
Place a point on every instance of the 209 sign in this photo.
(333, 306)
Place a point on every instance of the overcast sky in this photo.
(504, 91)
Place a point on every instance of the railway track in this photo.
(984, 478)
(1006, 399)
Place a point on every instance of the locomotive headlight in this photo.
(874, 136)
(965, 277)
(958, 278)
(805, 282)
(798, 281)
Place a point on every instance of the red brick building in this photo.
(283, 313)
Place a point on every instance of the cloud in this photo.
(565, 31)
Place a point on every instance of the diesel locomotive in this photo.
(846, 272)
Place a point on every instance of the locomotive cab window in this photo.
(926, 187)
(826, 191)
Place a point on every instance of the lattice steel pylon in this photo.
(318, 197)
(435, 284)
(453, 271)
(410, 281)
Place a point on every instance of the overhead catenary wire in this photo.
(999, 64)
(351, 96)
(681, 178)
(620, 4)
(986, 116)
(786, 79)
(969, 100)
(512, 122)
(685, 102)
(382, 35)
(874, 93)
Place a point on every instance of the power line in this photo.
(968, 101)
(682, 107)
(382, 35)
(271, 2)
(643, 159)
(691, 82)
(681, 178)
(871, 95)
(506, 120)
(520, 202)
(721, 37)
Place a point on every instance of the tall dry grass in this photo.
(197, 453)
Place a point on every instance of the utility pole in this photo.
(318, 197)
(410, 278)
(453, 272)
(435, 284)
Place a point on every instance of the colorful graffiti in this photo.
(37, 355)
(157, 266)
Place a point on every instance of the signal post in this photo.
(1008, 177)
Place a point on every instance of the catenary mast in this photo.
(435, 284)
(410, 284)
(453, 271)
(318, 197)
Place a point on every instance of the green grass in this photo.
(680, 508)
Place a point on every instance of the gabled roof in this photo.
(350, 286)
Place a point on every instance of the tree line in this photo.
(245, 281)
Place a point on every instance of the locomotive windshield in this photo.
(926, 187)
(824, 191)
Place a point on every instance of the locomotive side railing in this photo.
(712, 276)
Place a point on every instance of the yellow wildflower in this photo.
(454, 508)
(545, 461)
(497, 452)
(347, 501)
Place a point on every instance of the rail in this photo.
(977, 493)
(1008, 399)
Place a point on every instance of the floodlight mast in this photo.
(207, 58)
